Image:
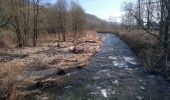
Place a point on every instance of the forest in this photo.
(27, 19)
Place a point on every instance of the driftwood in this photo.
(91, 41)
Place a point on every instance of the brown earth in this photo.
(42, 66)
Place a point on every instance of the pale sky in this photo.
(103, 9)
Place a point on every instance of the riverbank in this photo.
(146, 48)
(33, 68)
(138, 40)
(114, 73)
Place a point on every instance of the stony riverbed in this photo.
(44, 65)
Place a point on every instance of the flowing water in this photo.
(113, 74)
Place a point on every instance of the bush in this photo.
(7, 38)
(9, 73)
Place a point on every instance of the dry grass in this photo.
(7, 39)
(144, 46)
(138, 39)
(45, 37)
(9, 74)
(38, 64)
(139, 36)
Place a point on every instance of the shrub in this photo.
(7, 38)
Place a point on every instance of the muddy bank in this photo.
(44, 65)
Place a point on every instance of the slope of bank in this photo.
(43, 66)
(146, 48)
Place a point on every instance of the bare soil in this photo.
(43, 65)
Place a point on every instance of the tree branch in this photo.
(6, 22)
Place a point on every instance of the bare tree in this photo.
(36, 4)
(26, 20)
(156, 23)
(1, 12)
(62, 14)
(3, 20)
(16, 20)
(148, 13)
(17, 13)
(78, 20)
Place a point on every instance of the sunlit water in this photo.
(113, 74)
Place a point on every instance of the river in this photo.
(114, 73)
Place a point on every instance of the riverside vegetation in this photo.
(146, 28)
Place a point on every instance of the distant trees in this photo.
(36, 15)
(78, 20)
(62, 17)
(18, 18)
(28, 18)
(16, 12)
(1, 12)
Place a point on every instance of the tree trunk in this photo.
(166, 36)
